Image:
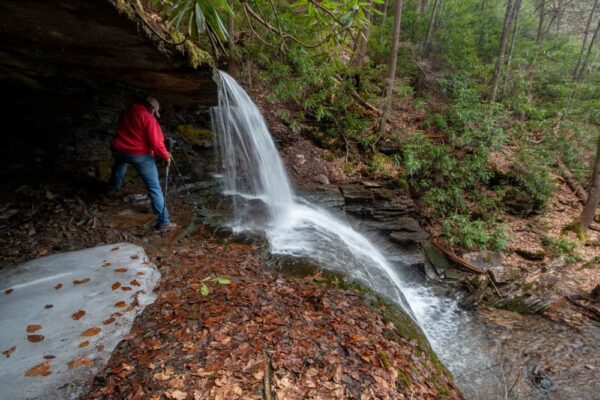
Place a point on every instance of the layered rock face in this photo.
(67, 70)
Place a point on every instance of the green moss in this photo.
(385, 360)
(403, 379)
(194, 134)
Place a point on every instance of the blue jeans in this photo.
(146, 168)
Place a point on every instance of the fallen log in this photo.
(456, 259)
(575, 187)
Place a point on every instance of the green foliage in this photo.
(204, 289)
(562, 247)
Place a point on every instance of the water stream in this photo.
(253, 175)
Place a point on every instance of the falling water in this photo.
(263, 199)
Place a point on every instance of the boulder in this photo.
(437, 259)
(322, 179)
(485, 260)
(532, 254)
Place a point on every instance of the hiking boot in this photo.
(171, 226)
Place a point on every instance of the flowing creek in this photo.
(492, 354)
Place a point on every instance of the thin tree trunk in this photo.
(421, 6)
(540, 31)
(230, 43)
(589, 52)
(510, 5)
(392, 72)
(434, 13)
(587, 216)
(385, 10)
(585, 39)
(360, 54)
(512, 44)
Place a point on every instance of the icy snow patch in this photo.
(107, 282)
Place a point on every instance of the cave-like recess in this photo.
(68, 68)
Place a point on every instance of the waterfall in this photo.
(254, 177)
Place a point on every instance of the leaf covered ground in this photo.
(263, 335)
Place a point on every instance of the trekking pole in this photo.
(166, 188)
(187, 192)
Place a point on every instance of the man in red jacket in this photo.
(138, 142)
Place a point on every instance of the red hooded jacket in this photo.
(138, 133)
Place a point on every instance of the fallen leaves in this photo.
(91, 332)
(8, 352)
(9, 291)
(42, 369)
(116, 285)
(302, 339)
(121, 270)
(85, 343)
(58, 286)
(80, 362)
(120, 304)
(176, 394)
(35, 338)
(33, 328)
(108, 321)
(78, 315)
(81, 281)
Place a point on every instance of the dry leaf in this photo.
(8, 291)
(35, 338)
(8, 352)
(120, 304)
(126, 288)
(49, 357)
(85, 343)
(58, 286)
(80, 362)
(176, 394)
(107, 264)
(48, 306)
(108, 321)
(81, 281)
(134, 283)
(121, 270)
(78, 315)
(33, 328)
(42, 369)
(91, 332)
(161, 376)
(114, 249)
(116, 285)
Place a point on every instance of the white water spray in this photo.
(255, 178)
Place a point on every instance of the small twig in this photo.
(267, 379)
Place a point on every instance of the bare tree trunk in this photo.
(559, 14)
(510, 5)
(589, 52)
(434, 13)
(392, 72)
(585, 39)
(421, 6)
(540, 31)
(385, 10)
(587, 216)
(230, 43)
(512, 44)
(360, 54)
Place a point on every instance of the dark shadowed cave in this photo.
(68, 68)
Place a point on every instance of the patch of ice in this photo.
(32, 294)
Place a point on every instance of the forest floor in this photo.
(262, 334)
